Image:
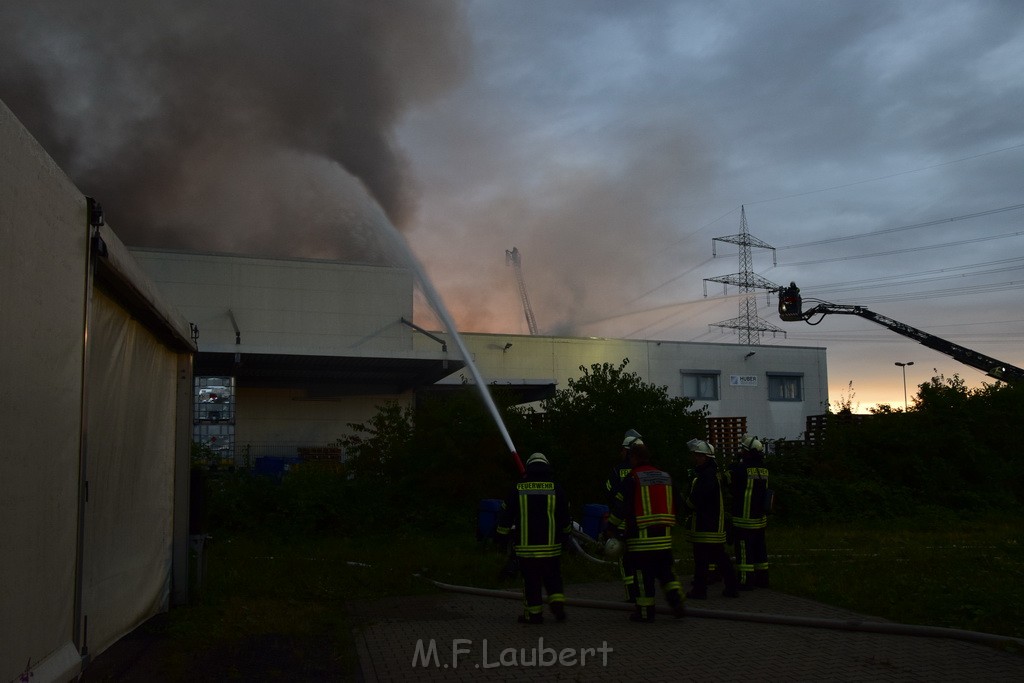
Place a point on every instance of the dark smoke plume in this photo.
(246, 126)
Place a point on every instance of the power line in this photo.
(851, 237)
(909, 249)
(887, 231)
(945, 293)
(909, 283)
(900, 279)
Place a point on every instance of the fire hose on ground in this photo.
(577, 534)
(888, 628)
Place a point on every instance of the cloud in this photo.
(610, 142)
(159, 108)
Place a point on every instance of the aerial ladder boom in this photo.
(791, 310)
(512, 257)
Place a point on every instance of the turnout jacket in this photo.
(613, 484)
(747, 482)
(707, 521)
(645, 507)
(539, 510)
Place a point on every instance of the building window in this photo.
(700, 384)
(785, 387)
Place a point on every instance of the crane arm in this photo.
(513, 258)
(791, 309)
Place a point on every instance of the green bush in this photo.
(428, 468)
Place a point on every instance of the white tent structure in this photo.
(95, 426)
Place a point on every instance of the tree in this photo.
(585, 423)
(379, 446)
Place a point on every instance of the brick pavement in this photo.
(470, 637)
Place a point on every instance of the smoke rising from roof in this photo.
(249, 126)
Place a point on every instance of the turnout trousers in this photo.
(751, 557)
(541, 574)
(628, 577)
(704, 555)
(650, 566)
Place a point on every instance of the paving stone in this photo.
(456, 636)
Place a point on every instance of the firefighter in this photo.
(645, 514)
(539, 510)
(706, 529)
(612, 486)
(747, 482)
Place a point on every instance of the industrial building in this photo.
(293, 350)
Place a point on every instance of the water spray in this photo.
(442, 312)
(438, 305)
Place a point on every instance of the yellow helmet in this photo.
(537, 457)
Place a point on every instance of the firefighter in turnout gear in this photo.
(747, 482)
(539, 511)
(646, 513)
(613, 485)
(706, 529)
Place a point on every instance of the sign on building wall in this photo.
(743, 380)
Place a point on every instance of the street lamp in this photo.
(904, 366)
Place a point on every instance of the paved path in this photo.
(457, 636)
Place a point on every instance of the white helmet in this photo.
(701, 446)
(751, 443)
(613, 548)
(632, 436)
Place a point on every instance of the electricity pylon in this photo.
(747, 324)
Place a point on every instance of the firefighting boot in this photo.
(558, 609)
(714, 575)
(644, 610)
(638, 616)
(675, 601)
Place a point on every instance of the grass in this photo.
(281, 603)
(933, 570)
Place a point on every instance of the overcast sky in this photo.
(877, 146)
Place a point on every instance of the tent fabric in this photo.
(119, 273)
(130, 449)
(124, 370)
(42, 308)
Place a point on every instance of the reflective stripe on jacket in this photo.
(707, 523)
(646, 509)
(539, 509)
(747, 482)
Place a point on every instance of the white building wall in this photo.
(531, 359)
(274, 421)
(327, 308)
(303, 307)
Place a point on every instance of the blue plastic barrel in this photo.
(487, 519)
(274, 466)
(594, 517)
(269, 466)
